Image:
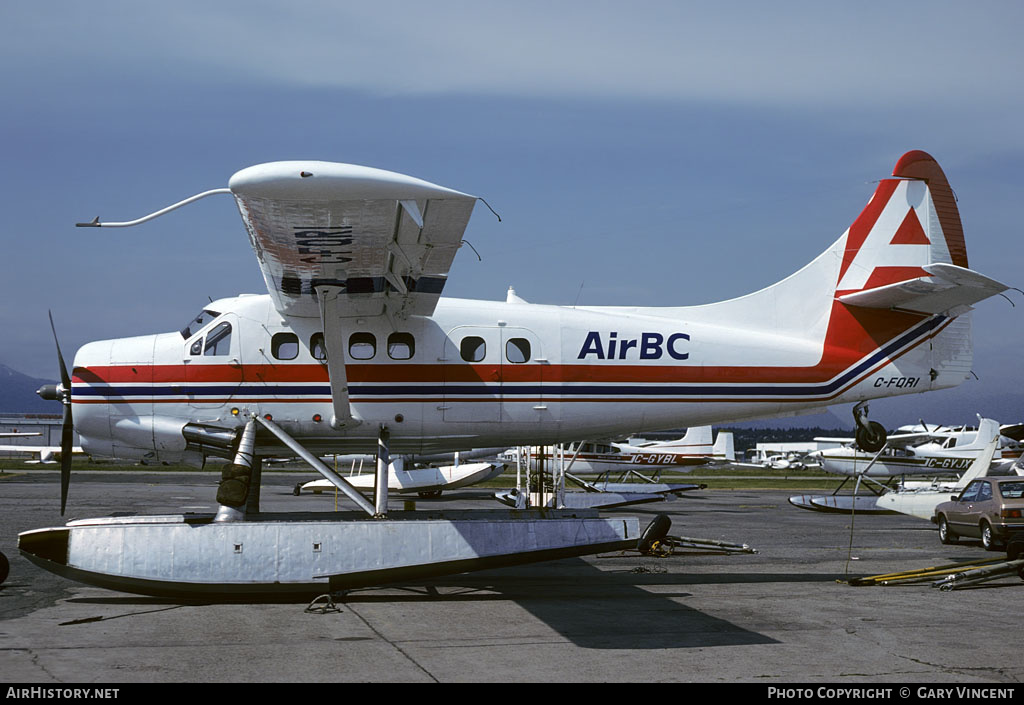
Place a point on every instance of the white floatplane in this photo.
(975, 454)
(354, 350)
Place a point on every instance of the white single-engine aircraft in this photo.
(47, 454)
(939, 451)
(596, 458)
(354, 349)
(428, 476)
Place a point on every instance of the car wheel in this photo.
(1015, 548)
(988, 539)
(945, 535)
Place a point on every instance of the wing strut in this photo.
(334, 342)
(318, 465)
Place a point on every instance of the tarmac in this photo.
(781, 616)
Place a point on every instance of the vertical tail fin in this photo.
(696, 442)
(724, 449)
(911, 222)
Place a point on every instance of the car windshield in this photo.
(197, 322)
(1011, 490)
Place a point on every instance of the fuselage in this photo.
(475, 373)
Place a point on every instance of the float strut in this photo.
(380, 489)
(235, 488)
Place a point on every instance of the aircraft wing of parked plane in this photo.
(47, 454)
(896, 440)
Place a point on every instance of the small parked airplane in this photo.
(48, 455)
(597, 458)
(428, 476)
(354, 350)
(938, 451)
(920, 501)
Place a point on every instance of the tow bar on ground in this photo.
(655, 541)
(952, 575)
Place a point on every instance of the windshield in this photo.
(197, 322)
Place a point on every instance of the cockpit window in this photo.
(197, 322)
(218, 341)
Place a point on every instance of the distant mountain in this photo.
(18, 394)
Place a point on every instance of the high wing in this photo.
(1013, 431)
(899, 440)
(340, 242)
(382, 242)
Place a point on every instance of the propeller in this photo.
(62, 393)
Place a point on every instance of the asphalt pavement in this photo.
(782, 615)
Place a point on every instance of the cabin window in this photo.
(362, 346)
(317, 347)
(218, 342)
(284, 346)
(517, 350)
(473, 348)
(401, 346)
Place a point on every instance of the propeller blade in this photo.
(67, 438)
(64, 378)
(67, 434)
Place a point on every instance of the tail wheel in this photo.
(945, 535)
(871, 439)
(654, 533)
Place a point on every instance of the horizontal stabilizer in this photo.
(947, 287)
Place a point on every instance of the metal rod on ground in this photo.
(691, 542)
(922, 574)
(980, 575)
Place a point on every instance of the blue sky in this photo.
(639, 153)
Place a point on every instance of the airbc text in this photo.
(649, 346)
